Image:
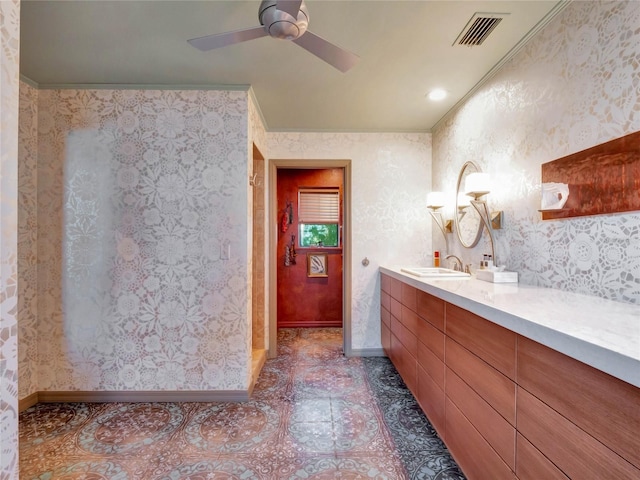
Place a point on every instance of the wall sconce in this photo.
(463, 203)
(435, 201)
(477, 185)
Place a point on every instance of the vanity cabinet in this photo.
(584, 421)
(508, 407)
(480, 391)
(413, 339)
(430, 359)
(400, 342)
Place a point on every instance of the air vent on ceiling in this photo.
(478, 28)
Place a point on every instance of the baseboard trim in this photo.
(145, 396)
(258, 358)
(28, 401)
(309, 324)
(367, 352)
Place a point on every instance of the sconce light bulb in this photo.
(435, 200)
(477, 184)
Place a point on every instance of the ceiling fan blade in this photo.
(341, 59)
(210, 42)
(292, 7)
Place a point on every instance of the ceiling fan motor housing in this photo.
(279, 24)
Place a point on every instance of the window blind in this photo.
(319, 205)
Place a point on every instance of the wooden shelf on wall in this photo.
(603, 179)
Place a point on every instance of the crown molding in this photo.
(131, 86)
(256, 104)
(29, 82)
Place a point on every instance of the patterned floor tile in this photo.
(311, 410)
(357, 428)
(89, 470)
(314, 414)
(313, 381)
(232, 427)
(207, 470)
(128, 427)
(312, 437)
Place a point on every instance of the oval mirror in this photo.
(467, 220)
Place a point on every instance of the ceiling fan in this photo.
(286, 20)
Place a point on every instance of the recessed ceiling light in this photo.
(437, 94)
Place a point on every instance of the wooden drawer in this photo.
(431, 364)
(431, 337)
(494, 344)
(570, 448)
(430, 396)
(431, 309)
(472, 452)
(407, 338)
(393, 352)
(385, 338)
(385, 283)
(409, 297)
(395, 308)
(533, 465)
(385, 316)
(404, 363)
(410, 320)
(604, 406)
(385, 300)
(490, 424)
(495, 388)
(395, 288)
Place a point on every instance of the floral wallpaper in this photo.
(28, 241)
(391, 173)
(575, 85)
(138, 191)
(9, 97)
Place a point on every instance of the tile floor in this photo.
(314, 414)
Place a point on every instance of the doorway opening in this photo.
(309, 283)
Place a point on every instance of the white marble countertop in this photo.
(599, 332)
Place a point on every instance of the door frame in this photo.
(274, 165)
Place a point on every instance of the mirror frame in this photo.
(467, 166)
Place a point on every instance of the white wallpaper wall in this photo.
(575, 85)
(28, 241)
(9, 97)
(391, 174)
(137, 191)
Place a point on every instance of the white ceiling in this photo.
(405, 49)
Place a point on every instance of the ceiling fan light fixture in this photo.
(287, 20)
(437, 94)
(282, 25)
(285, 30)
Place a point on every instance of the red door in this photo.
(306, 299)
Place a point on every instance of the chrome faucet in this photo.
(457, 266)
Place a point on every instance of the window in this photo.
(319, 217)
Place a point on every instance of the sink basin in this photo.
(434, 272)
